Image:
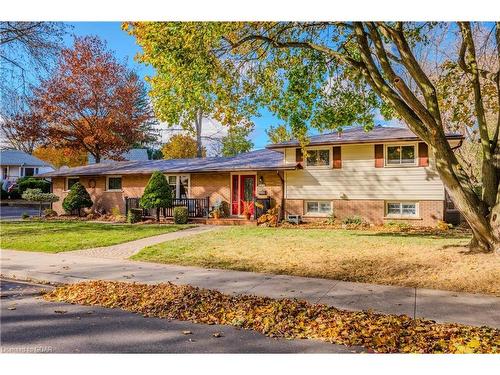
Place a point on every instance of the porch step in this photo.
(223, 221)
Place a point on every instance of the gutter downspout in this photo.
(282, 194)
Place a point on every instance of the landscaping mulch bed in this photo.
(284, 318)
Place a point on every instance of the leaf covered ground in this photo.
(413, 258)
(284, 318)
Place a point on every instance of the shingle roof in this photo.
(358, 135)
(254, 160)
(17, 157)
(133, 154)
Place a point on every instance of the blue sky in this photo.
(125, 48)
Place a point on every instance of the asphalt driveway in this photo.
(31, 325)
(16, 212)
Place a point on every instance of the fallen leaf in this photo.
(187, 332)
(217, 334)
(60, 311)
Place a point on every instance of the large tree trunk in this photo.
(477, 215)
(198, 123)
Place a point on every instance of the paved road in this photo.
(35, 326)
(16, 212)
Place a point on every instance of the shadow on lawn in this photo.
(433, 235)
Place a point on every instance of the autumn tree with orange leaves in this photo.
(59, 157)
(93, 103)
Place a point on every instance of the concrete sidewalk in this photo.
(127, 249)
(442, 306)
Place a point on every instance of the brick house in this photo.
(387, 174)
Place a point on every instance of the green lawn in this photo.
(423, 260)
(57, 236)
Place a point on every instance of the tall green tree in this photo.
(326, 75)
(181, 146)
(157, 194)
(77, 198)
(191, 83)
(278, 134)
(237, 141)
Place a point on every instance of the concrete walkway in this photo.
(127, 249)
(442, 306)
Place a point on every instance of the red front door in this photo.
(242, 193)
(247, 193)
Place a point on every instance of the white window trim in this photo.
(401, 216)
(23, 170)
(414, 164)
(66, 182)
(113, 190)
(178, 185)
(317, 214)
(329, 166)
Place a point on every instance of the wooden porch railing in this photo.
(197, 207)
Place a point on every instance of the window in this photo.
(179, 185)
(318, 207)
(70, 181)
(318, 158)
(401, 155)
(402, 209)
(30, 171)
(5, 172)
(114, 183)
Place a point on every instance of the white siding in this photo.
(359, 179)
(290, 156)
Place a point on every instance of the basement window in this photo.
(402, 209)
(318, 208)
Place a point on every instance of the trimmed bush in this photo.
(25, 216)
(354, 219)
(180, 215)
(157, 194)
(77, 198)
(25, 183)
(5, 195)
(134, 215)
(49, 212)
(36, 195)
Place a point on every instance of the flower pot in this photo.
(216, 215)
(247, 216)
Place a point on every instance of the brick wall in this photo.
(373, 211)
(274, 187)
(133, 186)
(213, 185)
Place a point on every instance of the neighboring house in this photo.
(387, 174)
(15, 164)
(138, 154)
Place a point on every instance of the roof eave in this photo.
(106, 173)
(364, 141)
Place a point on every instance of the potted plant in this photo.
(247, 209)
(217, 210)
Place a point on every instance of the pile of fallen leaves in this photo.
(284, 317)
